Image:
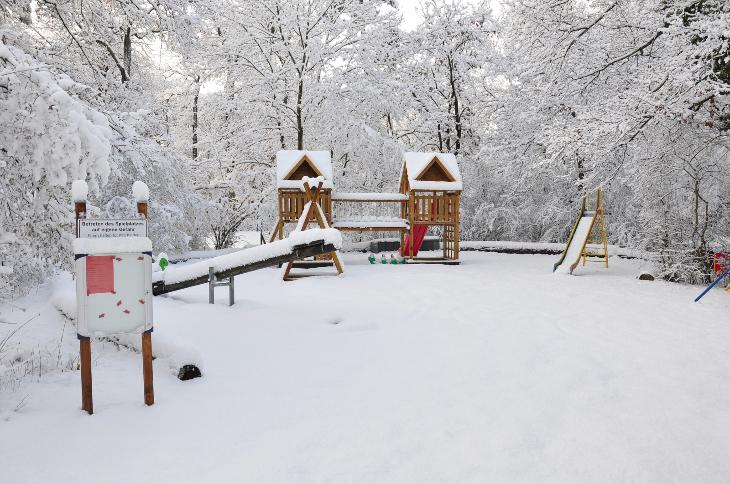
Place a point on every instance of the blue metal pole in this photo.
(727, 271)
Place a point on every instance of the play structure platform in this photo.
(588, 239)
(308, 243)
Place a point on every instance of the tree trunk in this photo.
(128, 51)
(300, 121)
(457, 111)
(195, 118)
(581, 175)
(282, 141)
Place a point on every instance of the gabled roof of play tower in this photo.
(432, 171)
(293, 165)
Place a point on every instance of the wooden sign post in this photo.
(87, 401)
(113, 285)
(149, 390)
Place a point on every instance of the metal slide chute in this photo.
(588, 238)
(581, 211)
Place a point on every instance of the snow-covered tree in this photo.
(48, 137)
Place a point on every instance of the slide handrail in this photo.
(714, 283)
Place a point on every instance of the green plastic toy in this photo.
(371, 258)
(162, 260)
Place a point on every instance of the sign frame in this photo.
(101, 228)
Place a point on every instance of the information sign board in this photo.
(98, 228)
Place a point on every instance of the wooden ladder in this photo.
(596, 246)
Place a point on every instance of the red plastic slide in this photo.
(419, 233)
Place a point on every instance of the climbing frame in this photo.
(596, 246)
(312, 212)
(292, 166)
(432, 182)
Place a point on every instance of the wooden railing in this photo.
(434, 208)
(291, 205)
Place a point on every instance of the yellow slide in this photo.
(580, 237)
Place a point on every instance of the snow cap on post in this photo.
(79, 191)
(140, 192)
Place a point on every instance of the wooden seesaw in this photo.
(222, 269)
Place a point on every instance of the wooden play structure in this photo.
(588, 240)
(432, 183)
(429, 194)
(291, 168)
(312, 212)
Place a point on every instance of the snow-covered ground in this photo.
(497, 370)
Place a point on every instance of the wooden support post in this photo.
(403, 215)
(80, 211)
(445, 241)
(87, 401)
(457, 215)
(411, 202)
(142, 208)
(275, 233)
(149, 388)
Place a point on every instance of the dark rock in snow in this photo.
(645, 276)
(188, 372)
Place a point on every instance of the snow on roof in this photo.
(288, 164)
(416, 163)
(111, 245)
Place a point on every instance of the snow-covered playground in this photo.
(496, 370)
